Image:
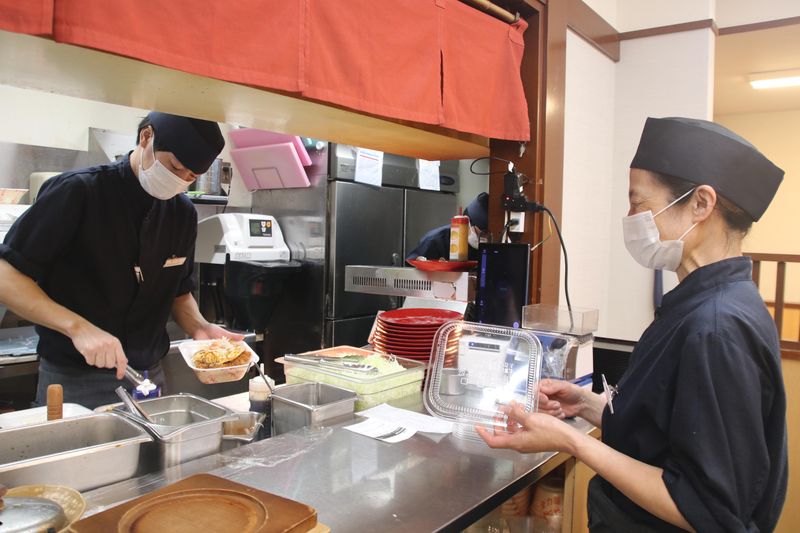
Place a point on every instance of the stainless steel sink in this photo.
(83, 452)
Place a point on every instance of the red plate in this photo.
(403, 343)
(419, 317)
(442, 266)
(416, 330)
(427, 329)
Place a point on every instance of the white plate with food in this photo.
(218, 360)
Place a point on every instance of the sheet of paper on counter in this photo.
(428, 174)
(408, 419)
(381, 430)
(369, 166)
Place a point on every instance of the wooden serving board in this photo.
(204, 503)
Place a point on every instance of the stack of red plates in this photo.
(409, 332)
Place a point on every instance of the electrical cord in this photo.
(489, 157)
(534, 207)
(566, 264)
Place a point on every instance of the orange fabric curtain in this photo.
(378, 57)
(481, 59)
(254, 42)
(34, 17)
(430, 61)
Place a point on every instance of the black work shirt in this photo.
(81, 240)
(703, 399)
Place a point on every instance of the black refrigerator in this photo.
(338, 222)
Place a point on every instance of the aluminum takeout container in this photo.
(84, 452)
(185, 426)
(310, 405)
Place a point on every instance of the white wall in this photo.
(777, 136)
(641, 14)
(587, 211)
(46, 119)
(665, 75)
(605, 8)
(739, 12)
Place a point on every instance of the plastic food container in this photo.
(371, 390)
(209, 376)
(494, 366)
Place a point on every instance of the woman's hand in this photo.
(529, 432)
(562, 396)
(563, 399)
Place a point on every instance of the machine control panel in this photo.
(260, 227)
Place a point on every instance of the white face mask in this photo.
(158, 181)
(473, 239)
(643, 240)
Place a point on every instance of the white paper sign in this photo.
(369, 166)
(428, 174)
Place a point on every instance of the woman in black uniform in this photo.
(695, 436)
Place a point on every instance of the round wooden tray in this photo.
(189, 511)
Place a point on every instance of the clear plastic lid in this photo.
(475, 369)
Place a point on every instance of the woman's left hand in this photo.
(213, 331)
(529, 432)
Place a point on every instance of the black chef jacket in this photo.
(703, 399)
(81, 241)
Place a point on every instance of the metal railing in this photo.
(780, 291)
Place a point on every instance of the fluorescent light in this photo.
(775, 79)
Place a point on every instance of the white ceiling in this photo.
(740, 54)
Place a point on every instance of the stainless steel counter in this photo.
(361, 484)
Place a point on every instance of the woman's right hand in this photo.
(99, 348)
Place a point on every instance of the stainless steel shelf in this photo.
(400, 281)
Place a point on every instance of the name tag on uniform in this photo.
(174, 261)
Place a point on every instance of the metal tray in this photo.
(83, 452)
(310, 405)
(187, 426)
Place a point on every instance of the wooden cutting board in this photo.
(204, 503)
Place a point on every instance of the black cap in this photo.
(196, 143)
(478, 211)
(706, 153)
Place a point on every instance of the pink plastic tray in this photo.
(276, 166)
(250, 137)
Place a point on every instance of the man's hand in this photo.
(99, 348)
(213, 331)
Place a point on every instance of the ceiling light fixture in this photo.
(775, 79)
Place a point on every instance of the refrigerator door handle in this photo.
(396, 301)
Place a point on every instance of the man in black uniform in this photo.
(695, 435)
(436, 243)
(103, 257)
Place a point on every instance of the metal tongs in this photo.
(132, 405)
(338, 363)
(142, 384)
